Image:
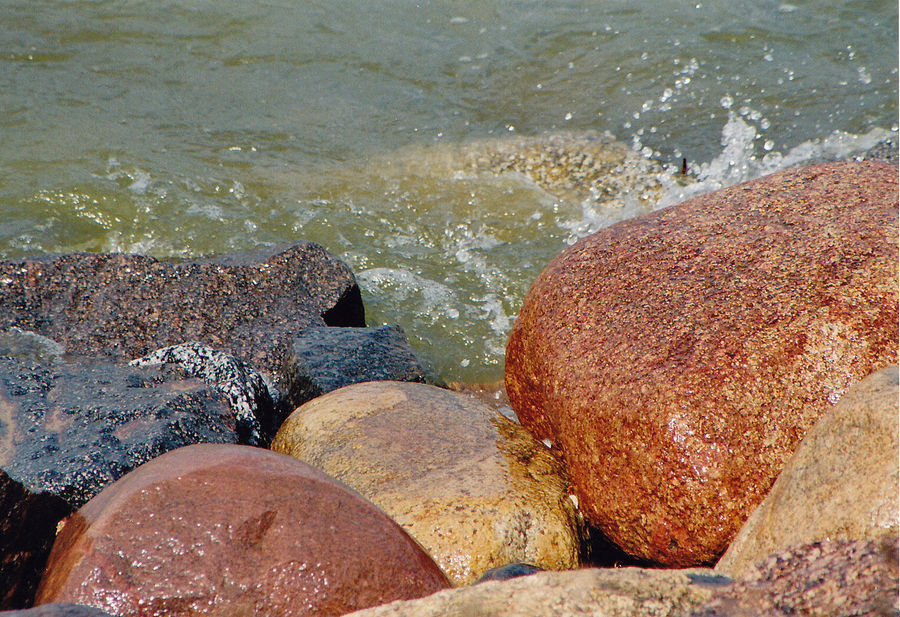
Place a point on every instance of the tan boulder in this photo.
(475, 489)
(614, 592)
(232, 530)
(841, 483)
(677, 359)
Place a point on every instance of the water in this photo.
(196, 127)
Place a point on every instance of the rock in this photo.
(841, 483)
(27, 529)
(233, 530)
(322, 359)
(471, 487)
(58, 610)
(885, 150)
(508, 571)
(618, 592)
(245, 389)
(677, 359)
(71, 428)
(827, 579)
(129, 305)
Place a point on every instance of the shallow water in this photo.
(195, 127)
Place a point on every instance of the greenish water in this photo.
(190, 128)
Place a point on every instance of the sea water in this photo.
(192, 127)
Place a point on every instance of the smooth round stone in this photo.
(232, 530)
(678, 358)
(475, 489)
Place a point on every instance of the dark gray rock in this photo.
(885, 150)
(508, 571)
(27, 529)
(249, 305)
(63, 609)
(324, 359)
(72, 428)
(245, 389)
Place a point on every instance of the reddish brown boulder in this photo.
(677, 359)
(230, 530)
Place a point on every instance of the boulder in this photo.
(473, 488)
(822, 579)
(618, 592)
(322, 359)
(71, 428)
(677, 359)
(841, 483)
(129, 305)
(27, 529)
(233, 530)
(58, 610)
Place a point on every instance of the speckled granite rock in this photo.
(27, 528)
(71, 428)
(246, 390)
(824, 579)
(320, 360)
(129, 305)
(677, 359)
(58, 610)
(233, 530)
(841, 483)
(620, 592)
(472, 487)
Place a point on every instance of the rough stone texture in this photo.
(58, 610)
(233, 530)
(27, 528)
(474, 489)
(245, 389)
(623, 592)
(130, 305)
(841, 483)
(823, 579)
(886, 151)
(324, 359)
(71, 428)
(678, 358)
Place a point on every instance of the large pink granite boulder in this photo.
(233, 530)
(677, 359)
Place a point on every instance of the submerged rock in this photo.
(473, 488)
(129, 305)
(841, 483)
(320, 360)
(233, 530)
(677, 359)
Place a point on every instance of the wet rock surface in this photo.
(678, 358)
(841, 483)
(246, 390)
(473, 488)
(823, 579)
(230, 530)
(324, 359)
(27, 529)
(71, 428)
(57, 610)
(129, 305)
(623, 592)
